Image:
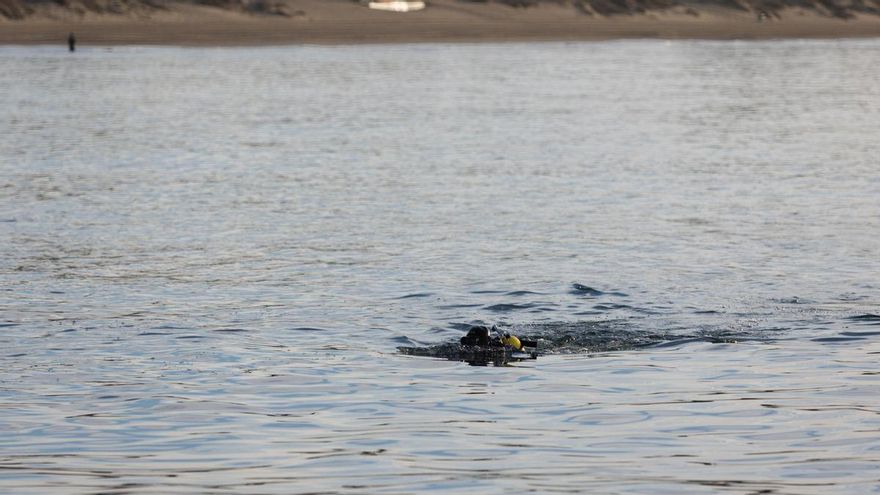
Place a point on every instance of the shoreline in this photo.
(446, 21)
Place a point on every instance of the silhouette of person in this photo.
(71, 42)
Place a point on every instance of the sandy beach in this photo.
(338, 22)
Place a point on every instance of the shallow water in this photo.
(208, 259)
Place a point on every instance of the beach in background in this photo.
(343, 21)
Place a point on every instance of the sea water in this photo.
(209, 257)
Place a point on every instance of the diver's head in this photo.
(477, 335)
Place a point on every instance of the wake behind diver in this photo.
(481, 346)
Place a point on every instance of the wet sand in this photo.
(339, 22)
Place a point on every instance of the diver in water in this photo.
(481, 346)
(482, 336)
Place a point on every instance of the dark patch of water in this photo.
(581, 289)
(859, 334)
(585, 290)
(866, 319)
(521, 293)
(308, 329)
(416, 295)
(509, 307)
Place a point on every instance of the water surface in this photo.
(208, 259)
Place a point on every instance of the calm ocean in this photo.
(208, 258)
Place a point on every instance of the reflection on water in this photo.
(208, 259)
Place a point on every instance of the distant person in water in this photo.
(71, 42)
(482, 336)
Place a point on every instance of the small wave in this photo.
(608, 307)
(867, 319)
(417, 294)
(860, 334)
(581, 289)
(794, 300)
(521, 293)
(852, 297)
(456, 306)
(585, 290)
(677, 342)
(509, 307)
(837, 340)
(307, 329)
